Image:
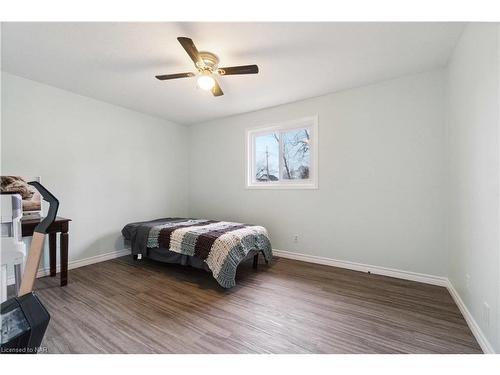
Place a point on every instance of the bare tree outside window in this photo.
(296, 157)
(294, 154)
(283, 155)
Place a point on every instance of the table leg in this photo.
(52, 253)
(64, 257)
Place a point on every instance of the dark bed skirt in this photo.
(167, 256)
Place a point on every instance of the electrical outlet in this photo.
(467, 282)
(486, 314)
(296, 238)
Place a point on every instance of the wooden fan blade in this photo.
(173, 76)
(216, 90)
(191, 49)
(243, 69)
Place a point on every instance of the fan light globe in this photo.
(206, 82)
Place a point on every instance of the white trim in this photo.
(281, 185)
(471, 322)
(42, 272)
(400, 274)
(377, 270)
(250, 133)
(498, 125)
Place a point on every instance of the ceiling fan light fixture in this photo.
(206, 82)
(207, 66)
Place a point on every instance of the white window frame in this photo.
(310, 123)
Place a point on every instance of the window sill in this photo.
(282, 187)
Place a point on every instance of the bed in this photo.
(215, 246)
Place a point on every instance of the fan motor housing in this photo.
(210, 60)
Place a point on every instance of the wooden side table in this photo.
(60, 225)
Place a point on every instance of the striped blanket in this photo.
(221, 245)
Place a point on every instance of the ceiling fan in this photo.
(207, 66)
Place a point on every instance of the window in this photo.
(283, 155)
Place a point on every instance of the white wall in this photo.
(107, 165)
(381, 187)
(473, 143)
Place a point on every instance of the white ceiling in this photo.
(117, 62)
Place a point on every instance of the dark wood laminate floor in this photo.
(122, 306)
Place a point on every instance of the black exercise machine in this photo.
(24, 319)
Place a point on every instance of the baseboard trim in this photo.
(471, 322)
(377, 270)
(400, 274)
(42, 272)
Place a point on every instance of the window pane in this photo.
(296, 154)
(267, 157)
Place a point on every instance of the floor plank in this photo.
(126, 306)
